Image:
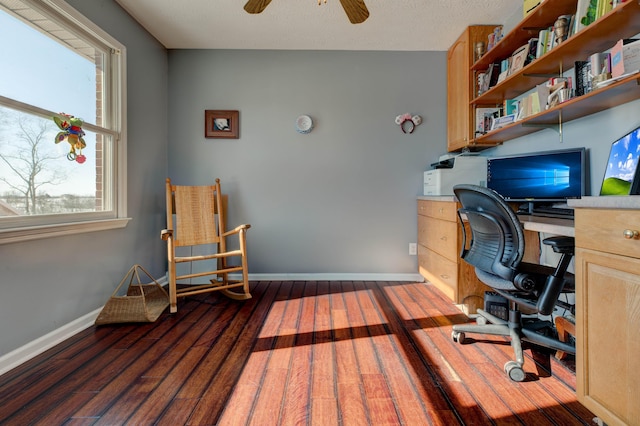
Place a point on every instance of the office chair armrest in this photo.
(165, 234)
(560, 244)
(237, 229)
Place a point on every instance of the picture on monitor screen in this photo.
(620, 176)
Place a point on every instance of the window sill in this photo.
(47, 231)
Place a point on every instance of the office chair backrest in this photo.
(497, 238)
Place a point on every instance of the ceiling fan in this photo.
(356, 10)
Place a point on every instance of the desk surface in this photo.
(550, 225)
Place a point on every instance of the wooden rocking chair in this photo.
(198, 213)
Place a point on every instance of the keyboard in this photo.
(551, 211)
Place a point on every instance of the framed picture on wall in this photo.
(221, 124)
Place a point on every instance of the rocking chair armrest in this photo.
(237, 229)
(165, 234)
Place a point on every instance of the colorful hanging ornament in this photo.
(71, 131)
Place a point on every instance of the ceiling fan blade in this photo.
(256, 6)
(356, 10)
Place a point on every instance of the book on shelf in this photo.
(504, 64)
(582, 71)
(542, 91)
(525, 107)
(590, 13)
(531, 51)
(494, 37)
(511, 106)
(600, 63)
(551, 39)
(603, 7)
(517, 59)
(542, 42)
(488, 78)
(484, 119)
(529, 6)
(559, 89)
(493, 73)
(572, 26)
(502, 76)
(625, 57)
(581, 15)
(499, 122)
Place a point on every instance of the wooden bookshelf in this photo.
(621, 22)
(618, 93)
(529, 27)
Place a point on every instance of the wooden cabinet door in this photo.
(608, 335)
(458, 95)
(461, 87)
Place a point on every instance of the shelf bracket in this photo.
(556, 127)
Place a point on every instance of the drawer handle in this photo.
(630, 234)
(443, 238)
(444, 277)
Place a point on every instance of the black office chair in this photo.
(496, 248)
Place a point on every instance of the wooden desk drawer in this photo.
(603, 230)
(440, 271)
(445, 210)
(440, 236)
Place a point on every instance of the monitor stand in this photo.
(526, 208)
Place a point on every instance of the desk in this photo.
(439, 241)
(608, 311)
(548, 225)
(607, 267)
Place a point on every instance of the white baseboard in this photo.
(335, 277)
(36, 347)
(49, 340)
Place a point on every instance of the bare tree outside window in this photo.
(31, 160)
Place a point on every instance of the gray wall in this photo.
(48, 283)
(341, 199)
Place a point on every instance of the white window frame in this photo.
(30, 227)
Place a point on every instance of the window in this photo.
(62, 126)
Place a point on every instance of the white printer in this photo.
(452, 170)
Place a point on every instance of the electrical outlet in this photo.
(413, 249)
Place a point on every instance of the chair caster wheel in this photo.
(514, 371)
(457, 336)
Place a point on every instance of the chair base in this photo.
(519, 330)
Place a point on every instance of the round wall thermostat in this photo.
(304, 124)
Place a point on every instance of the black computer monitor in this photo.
(621, 176)
(549, 176)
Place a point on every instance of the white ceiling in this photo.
(412, 25)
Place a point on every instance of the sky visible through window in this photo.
(40, 71)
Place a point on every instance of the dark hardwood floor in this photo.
(316, 353)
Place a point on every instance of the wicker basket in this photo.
(141, 303)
